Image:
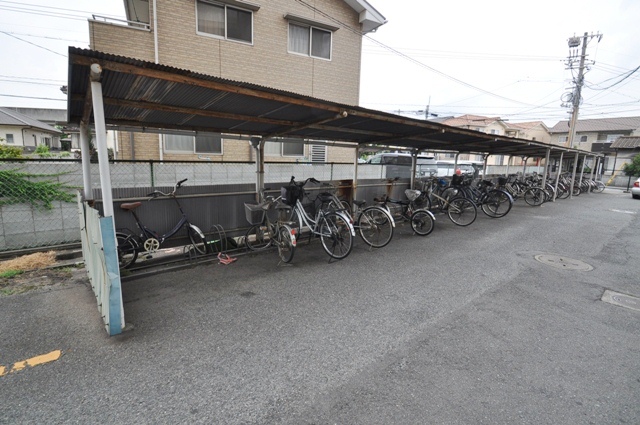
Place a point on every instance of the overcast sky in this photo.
(494, 58)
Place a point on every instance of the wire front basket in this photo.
(254, 213)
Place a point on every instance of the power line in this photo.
(32, 97)
(44, 36)
(33, 44)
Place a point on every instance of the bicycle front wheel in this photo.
(462, 211)
(258, 238)
(534, 196)
(422, 222)
(286, 248)
(127, 250)
(375, 227)
(496, 204)
(198, 241)
(599, 186)
(335, 234)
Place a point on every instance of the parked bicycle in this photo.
(264, 232)
(422, 221)
(334, 228)
(373, 223)
(436, 194)
(149, 241)
(495, 203)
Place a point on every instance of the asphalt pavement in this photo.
(464, 326)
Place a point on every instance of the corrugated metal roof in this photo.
(11, 117)
(146, 95)
(626, 142)
(599, 124)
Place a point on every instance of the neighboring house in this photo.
(625, 148)
(23, 131)
(597, 135)
(534, 130)
(310, 49)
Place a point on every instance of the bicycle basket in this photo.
(254, 213)
(457, 180)
(412, 194)
(502, 181)
(290, 194)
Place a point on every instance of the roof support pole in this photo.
(594, 166)
(484, 166)
(354, 185)
(86, 161)
(414, 162)
(101, 139)
(258, 144)
(508, 164)
(545, 174)
(573, 174)
(524, 166)
(558, 172)
(584, 160)
(455, 162)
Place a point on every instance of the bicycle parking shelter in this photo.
(134, 95)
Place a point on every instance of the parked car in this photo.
(635, 190)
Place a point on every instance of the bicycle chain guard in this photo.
(151, 245)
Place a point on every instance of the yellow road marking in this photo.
(33, 361)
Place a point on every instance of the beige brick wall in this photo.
(266, 62)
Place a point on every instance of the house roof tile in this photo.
(11, 117)
(599, 124)
(626, 142)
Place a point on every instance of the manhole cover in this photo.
(561, 262)
(621, 300)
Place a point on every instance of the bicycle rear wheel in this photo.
(127, 250)
(335, 235)
(375, 227)
(462, 211)
(496, 204)
(198, 241)
(286, 248)
(258, 238)
(599, 186)
(422, 222)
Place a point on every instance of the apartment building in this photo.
(309, 48)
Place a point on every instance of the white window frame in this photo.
(280, 150)
(226, 26)
(563, 139)
(310, 28)
(9, 138)
(193, 150)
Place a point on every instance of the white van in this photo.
(399, 164)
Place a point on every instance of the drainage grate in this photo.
(564, 263)
(621, 300)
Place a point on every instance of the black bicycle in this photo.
(150, 241)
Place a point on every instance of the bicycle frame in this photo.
(147, 232)
(312, 223)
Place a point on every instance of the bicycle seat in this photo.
(130, 206)
(359, 203)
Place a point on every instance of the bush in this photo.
(10, 151)
(43, 151)
(632, 168)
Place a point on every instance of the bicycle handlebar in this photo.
(157, 193)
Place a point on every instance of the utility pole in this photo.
(576, 96)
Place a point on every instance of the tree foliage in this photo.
(632, 168)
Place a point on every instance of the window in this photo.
(613, 137)
(284, 149)
(310, 41)
(224, 21)
(563, 139)
(202, 143)
(9, 138)
(583, 139)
